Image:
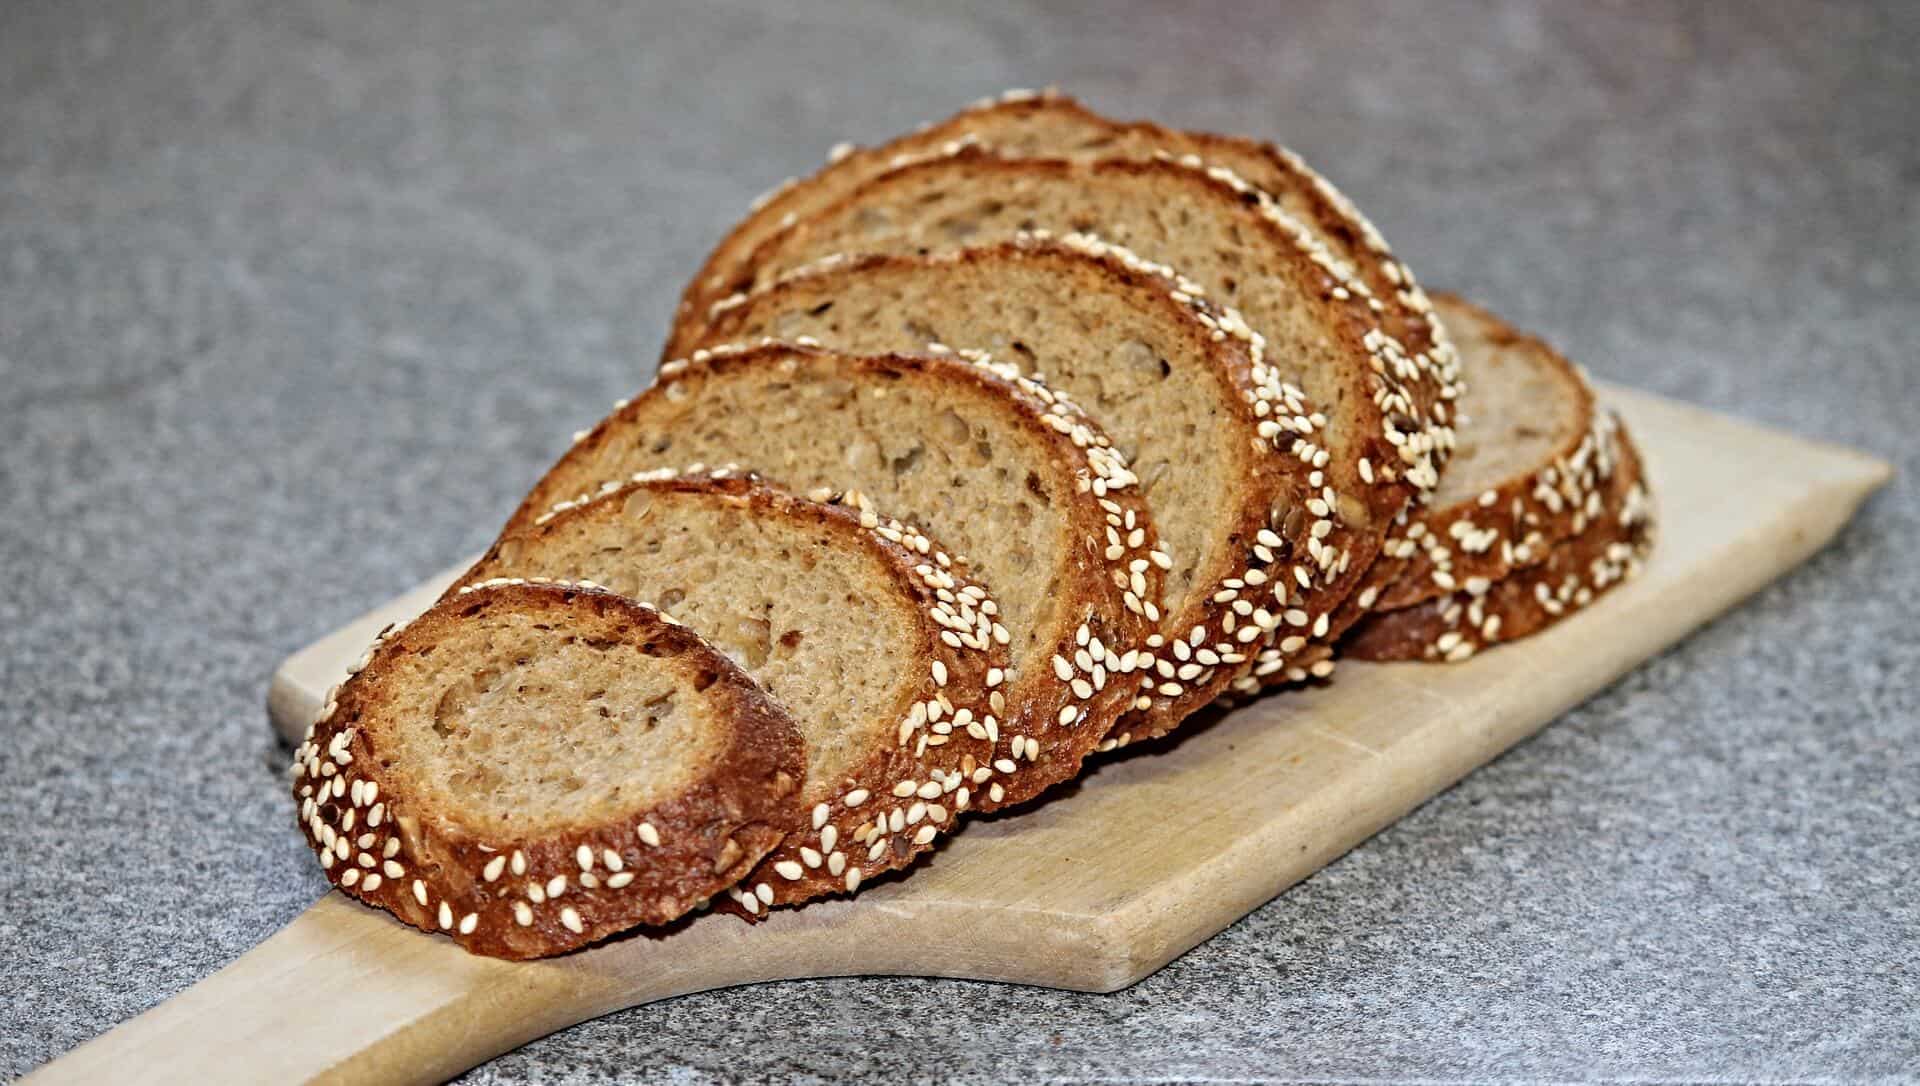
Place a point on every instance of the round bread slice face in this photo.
(1008, 472)
(1223, 448)
(531, 768)
(1048, 123)
(1215, 230)
(882, 652)
(1607, 552)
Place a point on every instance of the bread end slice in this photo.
(529, 768)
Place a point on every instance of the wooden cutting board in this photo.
(1151, 853)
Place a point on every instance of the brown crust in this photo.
(1575, 572)
(832, 846)
(1373, 475)
(1271, 472)
(1045, 717)
(433, 872)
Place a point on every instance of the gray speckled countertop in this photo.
(296, 298)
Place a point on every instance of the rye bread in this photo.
(1533, 463)
(1224, 448)
(1048, 124)
(530, 768)
(1217, 231)
(1608, 551)
(1000, 467)
(885, 658)
(1532, 466)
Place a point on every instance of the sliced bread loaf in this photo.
(999, 467)
(1575, 571)
(883, 654)
(1217, 231)
(1048, 123)
(530, 768)
(1223, 448)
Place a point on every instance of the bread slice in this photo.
(530, 768)
(1215, 230)
(884, 655)
(1608, 551)
(1534, 463)
(1005, 470)
(1224, 449)
(1050, 124)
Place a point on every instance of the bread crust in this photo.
(1110, 586)
(1576, 571)
(519, 897)
(891, 805)
(1250, 588)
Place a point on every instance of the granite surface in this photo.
(296, 298)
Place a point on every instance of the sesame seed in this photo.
(446, 915)
(648, 835)
(522, 914)
(571, 919)
(493, 868)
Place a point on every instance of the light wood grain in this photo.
(1153, 852)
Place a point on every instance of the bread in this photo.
(1050, 124)
(1224, 449)
(1533, 462)
(884, 657)
(999, 467)
(1575, 571)
(530, 768)
(1216, 231)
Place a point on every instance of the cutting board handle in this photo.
(347, 994)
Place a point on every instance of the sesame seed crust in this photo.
(528, 897)
(1576, 571)
(1052, 724)
(1248, 584)
(946, 729)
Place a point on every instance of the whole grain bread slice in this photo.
(529, 768)
(1223, 447)
(884, 655)
(996, 465)
(1609, 550)
(1217, 231)
(1051, 124)
(1533, 465)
